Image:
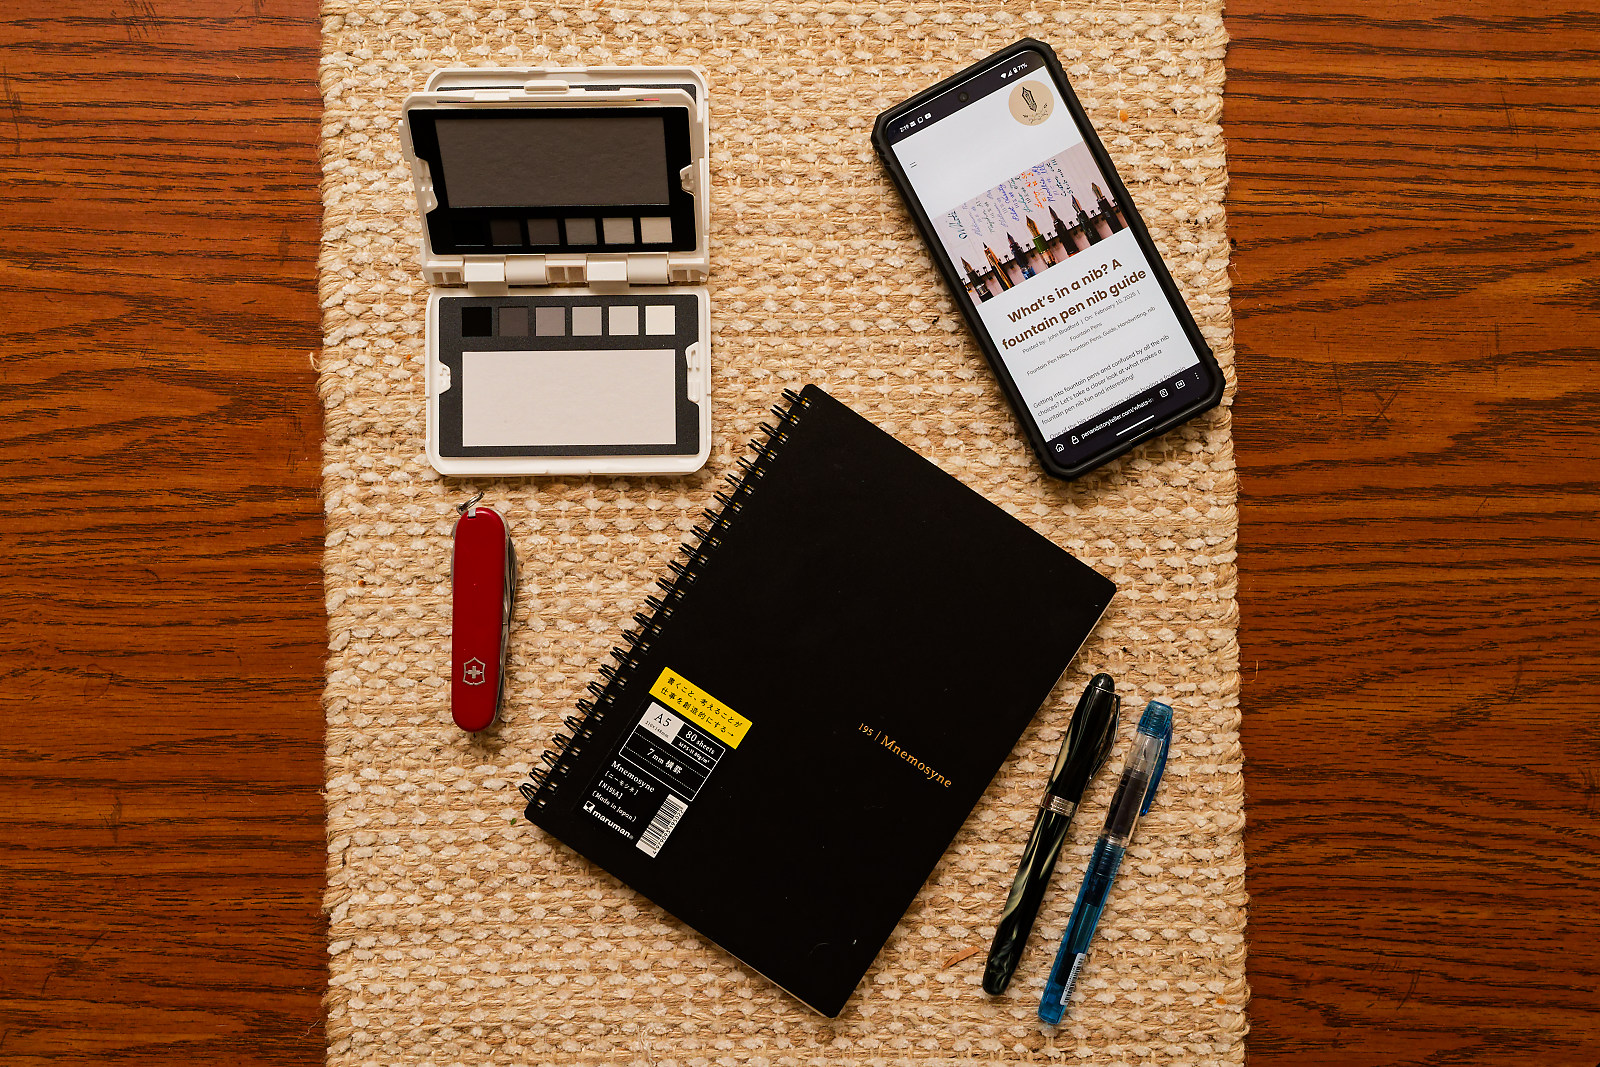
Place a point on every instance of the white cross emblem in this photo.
(474, 671)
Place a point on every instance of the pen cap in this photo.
(1157, 720)
(1090, 735)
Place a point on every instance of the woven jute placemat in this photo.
(460, 934)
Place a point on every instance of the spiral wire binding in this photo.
(707, 537)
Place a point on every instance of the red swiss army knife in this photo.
(483, 584)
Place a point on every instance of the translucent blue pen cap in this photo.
(1156, 722)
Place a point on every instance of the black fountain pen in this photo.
(1089, 737)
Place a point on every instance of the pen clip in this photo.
(1108, 740)
(1155, 777)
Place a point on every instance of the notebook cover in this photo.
(884, 634)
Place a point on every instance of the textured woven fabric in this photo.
(460, 934)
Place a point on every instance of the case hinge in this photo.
(648, 269)
(607, 273)
(484, 272)
(526, 270)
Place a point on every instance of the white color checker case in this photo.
(565, 223)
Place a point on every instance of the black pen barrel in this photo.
(1022, 906)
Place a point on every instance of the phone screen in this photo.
(1048, 262)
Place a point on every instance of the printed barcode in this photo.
(655, 835)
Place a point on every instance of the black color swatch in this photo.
(477, 322)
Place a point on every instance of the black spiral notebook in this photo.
(839, 663)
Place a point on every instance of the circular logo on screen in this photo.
(1031, 103)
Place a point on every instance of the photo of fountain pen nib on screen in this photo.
(565, 239)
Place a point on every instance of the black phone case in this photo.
(1203, 401)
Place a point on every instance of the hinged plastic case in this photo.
(565, 232)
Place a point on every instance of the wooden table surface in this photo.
(1414, 192)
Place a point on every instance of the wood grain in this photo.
(1413, 193)
(161, 630)
(1413, 197)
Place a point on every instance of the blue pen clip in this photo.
(1161, 765)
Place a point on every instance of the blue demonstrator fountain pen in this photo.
(1141, 774)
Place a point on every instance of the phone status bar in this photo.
(963, 94)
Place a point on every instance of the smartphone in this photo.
(1048, 259)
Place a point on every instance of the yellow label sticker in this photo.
(700, 707)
